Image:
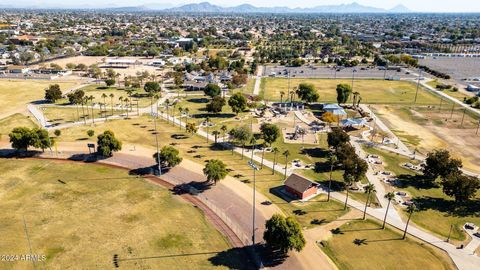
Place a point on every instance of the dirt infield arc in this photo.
(213, 218)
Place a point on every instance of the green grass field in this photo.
(139, 132)
(97, 212)
(371, 91)
(61, 115)
(437, 211)
(381, 249)
(455, 94)
(13, 121)
(16, 93)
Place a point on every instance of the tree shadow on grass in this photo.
(198, 100)
(316, 152)
(234, 258)
(271, 257)
(416, 181)
(193, 187)
(450, 207)
(179, 136)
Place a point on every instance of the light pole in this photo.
(450, 233)
(353, 76)
(418, 86)
(255, 168)
(158, 156)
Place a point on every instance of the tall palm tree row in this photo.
(410, 210)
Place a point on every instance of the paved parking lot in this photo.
(330, 72)
(459, 68)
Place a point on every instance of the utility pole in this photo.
(440, 108)
(255, 168)
(478, 127)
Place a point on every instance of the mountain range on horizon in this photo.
(206, 7)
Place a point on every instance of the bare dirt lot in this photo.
(99, 60)
(428, 129)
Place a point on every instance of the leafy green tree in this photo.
(355, 166)
(440, 163)
(40, 139)
(283, 234)
(343, 92)
(107, 144)
(53, 93)
(76, 97)
(238, 103)
(169, 156)
(90, 133)
(215, 170)
(212, 90)
(20, 138)
(57, 132)
(337, 137)
(152, 87)
(216, 104)
(270, 133)
(460, 186)
(241, 135)
(307, 92)
(110, 82)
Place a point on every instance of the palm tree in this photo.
(83, 110)
(389, 196)
(216, 133)
(282, 93)
(369, 189)
(302, 132)
(167, 104)
(121, 103)
(186, 110)
(207, 122)
(253, 142)
(93, 115)
(332, 160)
(111, 101)
(104, 96)
(286, 154)
(355, 96)
(263, 155)
(348, 179)
(126, 104)
(180, 110)
(224, 130)
(410, 209)
(275, 152)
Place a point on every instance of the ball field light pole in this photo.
(255, 168)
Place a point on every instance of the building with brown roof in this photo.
(301, 187)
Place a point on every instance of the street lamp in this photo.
(353, 76)
(255, 168)
(158, 156)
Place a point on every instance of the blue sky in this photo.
(417, 5)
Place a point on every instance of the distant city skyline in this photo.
(414, 5)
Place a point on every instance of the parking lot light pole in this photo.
(255, 168)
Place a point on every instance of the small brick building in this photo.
(300, 187)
